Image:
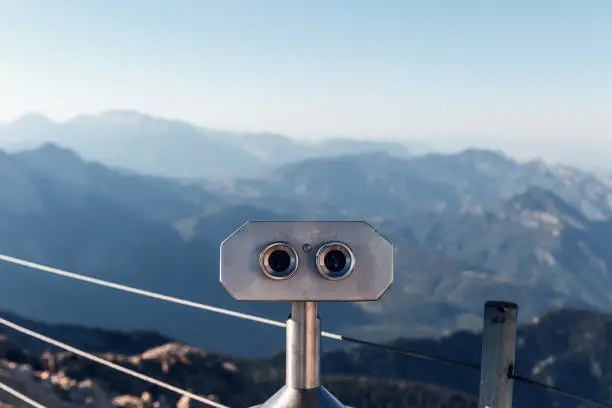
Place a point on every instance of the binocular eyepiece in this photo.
(278, 261)
(299, 261)
(334, 260)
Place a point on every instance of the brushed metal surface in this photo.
(303, 346)
(288, 397)
(241, 275)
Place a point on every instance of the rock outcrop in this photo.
(58, 379)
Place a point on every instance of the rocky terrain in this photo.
(63, 380)
(567, 349)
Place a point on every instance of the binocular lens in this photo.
(278, 261)
(335, 260)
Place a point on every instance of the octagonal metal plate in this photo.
(242, 277)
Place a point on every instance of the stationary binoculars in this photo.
(306, 261)
(334, 260)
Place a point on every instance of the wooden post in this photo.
(498, 350)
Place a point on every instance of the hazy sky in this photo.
(349, 67)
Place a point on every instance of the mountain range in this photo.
(138, 142)
(376, 184)
(467, 227)
(534, 247)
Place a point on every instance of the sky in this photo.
(310, 68)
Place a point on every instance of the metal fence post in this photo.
(498, 351)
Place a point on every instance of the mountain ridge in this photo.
(100, 222)
(169, 147)
(469, 181)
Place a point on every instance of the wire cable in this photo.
(20, 396)
(110, 364)
(559, 391)
(227, 312)
(141, 292)
(399, 350)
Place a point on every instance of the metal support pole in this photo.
(303, 387)
(498, 350)
(303, 342)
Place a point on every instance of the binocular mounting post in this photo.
(303, 387)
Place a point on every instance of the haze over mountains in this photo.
(468, 227)
(172, 148)
(146, 202)
(166, 147)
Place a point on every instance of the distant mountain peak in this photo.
(54, 149)
(546, 205)
(33, 120)
(484, 153)
(342, 146)
(117, 116)
(487, 156)
(52, 156)
(535, 199)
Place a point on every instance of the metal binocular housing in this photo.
(333, 261)
(305, 262)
